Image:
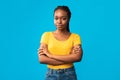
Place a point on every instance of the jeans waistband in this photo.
(60, 70)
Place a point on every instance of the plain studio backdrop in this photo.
(22, 23)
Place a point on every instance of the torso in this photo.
(61, 44)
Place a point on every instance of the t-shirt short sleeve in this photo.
(44, 38)
(77, 39)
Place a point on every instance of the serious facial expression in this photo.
(61, 19)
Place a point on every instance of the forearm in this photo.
(68, 58)
(74, 56)
(46, 60)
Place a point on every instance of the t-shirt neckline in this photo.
(61, 40)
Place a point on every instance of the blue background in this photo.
(22, 23)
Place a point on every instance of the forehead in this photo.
(60, 12)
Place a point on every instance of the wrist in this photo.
(49, 55)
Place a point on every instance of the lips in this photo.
(59, 25)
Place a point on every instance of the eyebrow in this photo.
(60, 16)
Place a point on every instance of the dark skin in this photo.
(60, 20)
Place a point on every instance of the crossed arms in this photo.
(45, 57)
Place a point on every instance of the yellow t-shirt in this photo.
(57, 47)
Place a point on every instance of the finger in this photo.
(42, 53)
(40, 49)
(39, 52)
(78, 49)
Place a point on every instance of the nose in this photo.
(59, 21)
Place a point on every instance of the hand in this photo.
(48, 54)
(76, 50)
(40, 51)
(44, 52)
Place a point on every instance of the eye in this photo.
(56, 18)
(64, 18)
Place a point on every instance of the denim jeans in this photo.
(61, 74)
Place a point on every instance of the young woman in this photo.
(61, 48)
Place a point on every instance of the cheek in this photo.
(65, 22)
(54, 22)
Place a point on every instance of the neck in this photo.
(61, 31)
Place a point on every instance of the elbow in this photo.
(41, 60)
(78, 59)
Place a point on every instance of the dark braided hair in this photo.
(65, 8)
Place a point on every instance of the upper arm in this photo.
(44, 40)
(76, 40)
